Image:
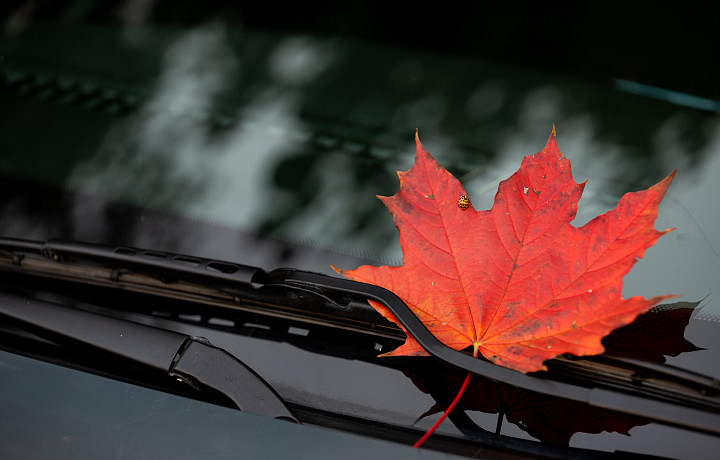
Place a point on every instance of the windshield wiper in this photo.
(191, 360)
(660, 409)
(688, 399)
(208, 281)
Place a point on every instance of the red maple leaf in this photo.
(518, 283)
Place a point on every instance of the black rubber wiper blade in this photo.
(649, 376)
(130, 257)
(210, 281)
(122, 259)
(646, 368)
(649, 407)
(192, 360)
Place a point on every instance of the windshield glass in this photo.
(227, 132)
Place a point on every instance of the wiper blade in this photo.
(686, 404)
(128, 257)
(192, 360)
(663, 380)
(209, 281)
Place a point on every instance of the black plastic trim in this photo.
(192, 360)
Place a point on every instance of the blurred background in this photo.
(261, 133)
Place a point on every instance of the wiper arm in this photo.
(192, 360)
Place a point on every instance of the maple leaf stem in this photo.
(498, 426)
(450, 408)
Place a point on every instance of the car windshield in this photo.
(228, 132)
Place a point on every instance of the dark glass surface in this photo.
(227, 132)
(72, 417)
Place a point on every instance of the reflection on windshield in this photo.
(167, 155)
(652, 336)
(548, 419)
(296, 149)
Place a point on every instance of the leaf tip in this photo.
(383, 198)
(662, 186)
(552, 140)
(337, 270)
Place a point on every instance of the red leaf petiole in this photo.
(450, 408)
